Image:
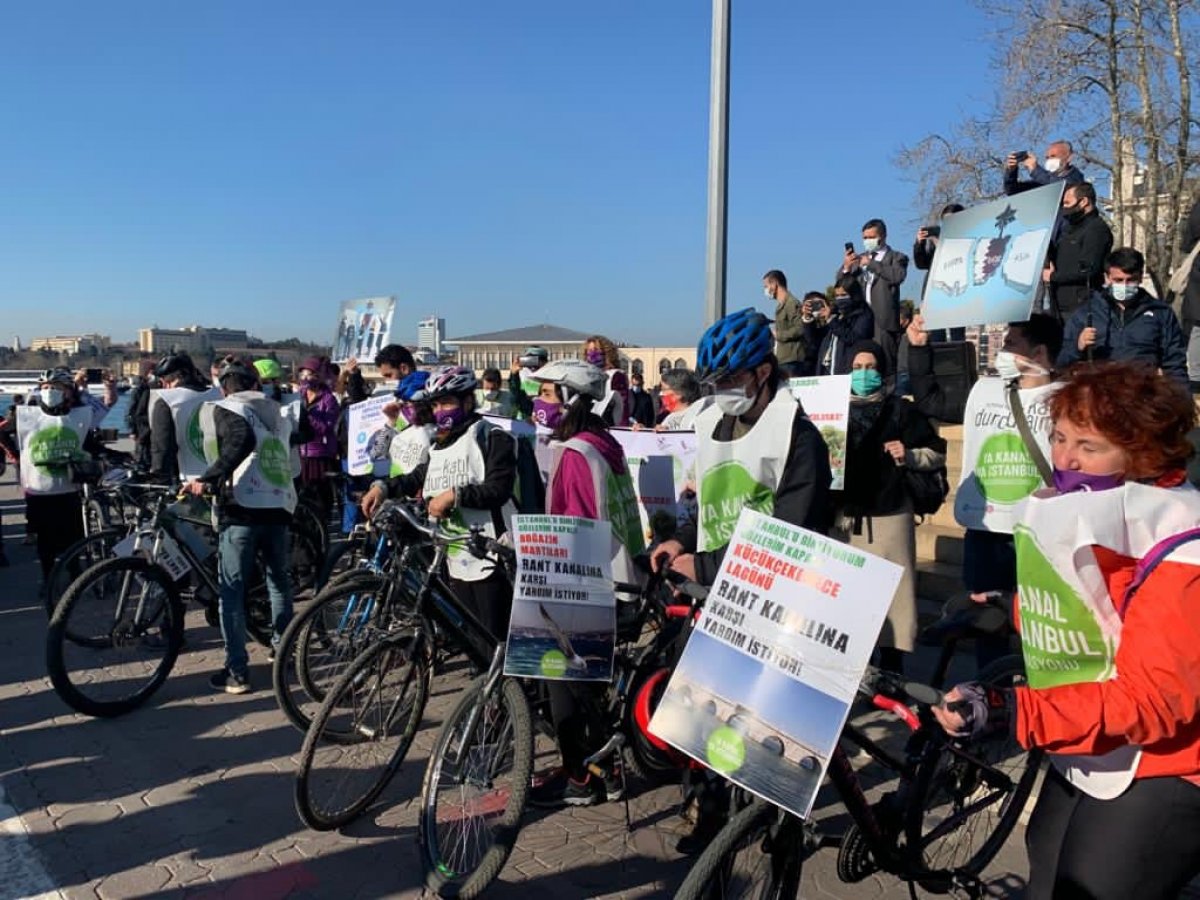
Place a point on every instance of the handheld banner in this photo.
(364, 328)
(989, 260)
(365, 453)
(662, 465)
(769, 673)
(826, 401)
(997, 470)
(564, 613)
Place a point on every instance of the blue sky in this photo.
(254, 163)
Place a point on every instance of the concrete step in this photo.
(940, 543)
(938, 581)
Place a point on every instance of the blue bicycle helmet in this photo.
(734, 344)
(411, 384)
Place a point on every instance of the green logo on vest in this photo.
(554, 664)
(195, 435)
(725, 750)
(725, 491)
(54, 446)
(1060, 636)
(1004, 470)
(274, 461)
(623, 513)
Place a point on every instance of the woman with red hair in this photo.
(1108, 572)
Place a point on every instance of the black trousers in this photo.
(58, 521)
(490, 600)
(1145, 844)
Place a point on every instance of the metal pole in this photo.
(718, 165)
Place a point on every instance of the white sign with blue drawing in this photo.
(989, 260)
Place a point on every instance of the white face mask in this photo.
(1010, 366)
(735, 401)
(51, 397)
(770, 294)
(1053, 164)
(870, 244)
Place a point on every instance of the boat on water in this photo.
(24, 381)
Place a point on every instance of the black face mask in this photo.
(842, 305)
(1074, 213)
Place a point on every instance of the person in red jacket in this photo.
(1119, 715)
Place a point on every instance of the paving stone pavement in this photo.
(192, 796)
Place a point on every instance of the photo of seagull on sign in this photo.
(574, 660)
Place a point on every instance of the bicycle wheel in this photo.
(114, 637)
(379, 700)
(967, 798)
(758, 854)
(75, 560)
(475, 789)
(320, 642)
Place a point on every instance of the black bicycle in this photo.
(956, 804)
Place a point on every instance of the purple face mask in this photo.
(595, 357)
(448, 419)
(545, 413)
(1067, 481)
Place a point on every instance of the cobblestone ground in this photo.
(192, 796)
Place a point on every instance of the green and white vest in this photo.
(409, 448)
(264, 478)
(185, 405)
(47, 444)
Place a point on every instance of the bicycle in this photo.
(924, 832)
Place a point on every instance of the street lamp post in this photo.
(718, 166)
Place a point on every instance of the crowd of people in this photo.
(1089, 395)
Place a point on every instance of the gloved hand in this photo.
(971, 710)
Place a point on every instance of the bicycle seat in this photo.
(964, 618)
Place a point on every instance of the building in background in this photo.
(71, 344)
(195, 340)
(431, 334)
(499, 348)
(651, 362)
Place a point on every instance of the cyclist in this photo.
(520, 379)
(252, 478)
(318, 420)
(589, 478)
(493, 399)
(270, 376)
(601, 352)
(175, 438)
(1119, 812)
(404, 444)
(468, 480)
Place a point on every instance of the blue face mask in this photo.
(865, 381)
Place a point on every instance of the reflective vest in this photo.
(289, 409)
(459, 464)
(408, 449)
(48, 443)
(263, 480)
(185, 405)
(616, 501)
(740, 473)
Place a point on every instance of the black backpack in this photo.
(529, 490)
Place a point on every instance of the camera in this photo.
(932, 230)
(1021, 156)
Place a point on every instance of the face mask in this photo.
(669, 402)
(1010, 366)
(841, 305)
(595, 357)
(633, 388)
(449, 419)
(1067, 481)
(546, 413)
(491, 395)
(870, 244)
(1123, 293)
(735, 401)
(864, 382)
(770, 294)
(1053, 164)
(52, 397)
(309, 384)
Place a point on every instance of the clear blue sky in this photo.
(251, 163)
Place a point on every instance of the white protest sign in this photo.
(363, 421)
(662, 465)
(564, 613)
(826, 401)
(766, 681)
(998, 471)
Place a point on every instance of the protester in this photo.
(395, 362)
(255, 499)
(494, 400)
(923, 250)
(547, 405)
(1123, 322)
(137, 415)
(642, 411)
(589, 478)
(270, 378)
(173, 424)
(681, 399)
(835, 328)
(520, 379)
(881, 270)
(602, 353)
(1189, 306)
(469, 480)
(405, 443)
(1118, 815)
(319, 414)
(1058, 168)
(791, 346)
(1075, 264)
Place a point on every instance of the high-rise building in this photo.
(431, 333)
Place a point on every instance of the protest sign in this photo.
(364, 328)
(766, 681)
(826, 401)
(989, 259)
(364, 453)
(564, 613)
(998, 471)
(536, 435)
(662, 465)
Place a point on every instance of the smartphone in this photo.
(94, 376)
(849, 247)
(933, 230)
(1021, 155)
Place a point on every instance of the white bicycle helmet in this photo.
(449, 381)
(575, 376)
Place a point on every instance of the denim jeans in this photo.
(238, 546)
